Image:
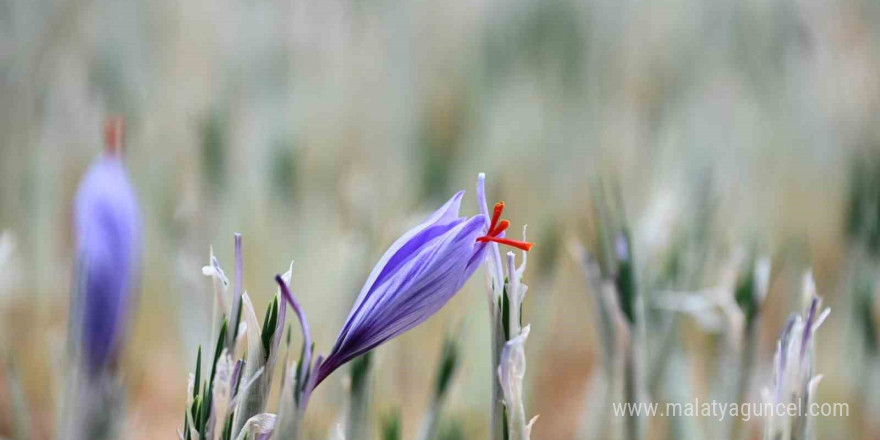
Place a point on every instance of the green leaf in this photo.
(186, 426)
(505, 312)
(198, 373)
(237, 321)
(360, 367)
(196, 411)
(745, 295)
(269, 323)
(446, 370)
(205, 410)
(504, 424)
(864, 311)
(391, 427)
(227, 429)
(626, 282)
(219, 348)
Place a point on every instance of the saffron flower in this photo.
(414, 279)
(108, 232)
(419, 274)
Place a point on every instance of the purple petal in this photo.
(425, 278)
(108, 231)
(808, 326)
(436, 224)
(304, 325)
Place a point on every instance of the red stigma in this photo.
(496, 215)
(499, 228)
(113, 131)
(496, 227)
(524, 245)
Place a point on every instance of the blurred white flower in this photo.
(794, 381)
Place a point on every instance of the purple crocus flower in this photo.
(419, 274)
(413, 280)
(108, 230)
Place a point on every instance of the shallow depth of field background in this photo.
(322, 130)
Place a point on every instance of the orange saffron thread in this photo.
(496, 227)
(524, 245)
(499, 228)
(499, 207)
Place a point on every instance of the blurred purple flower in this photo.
(108, 230)
(414, 279)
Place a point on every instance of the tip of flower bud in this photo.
(113, 133)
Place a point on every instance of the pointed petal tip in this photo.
(285, 291)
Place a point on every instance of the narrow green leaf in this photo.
(505, 312)
(218, 349)
(745, 295)
(198, 373)
(505, 430)
(391, 427)
(868, 325)
(186, 425)
(227, 429)
(360, 366)
(626, 280)
(269, 323)
(446, 370)
(196, 411)
(204, 410)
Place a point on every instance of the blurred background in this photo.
(321, 130)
